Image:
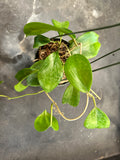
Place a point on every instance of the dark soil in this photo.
(51, 47)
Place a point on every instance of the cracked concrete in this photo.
(18, 139)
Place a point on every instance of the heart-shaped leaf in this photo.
(97, 119)
(71, 96)
(43, 122)
(90, 45)
(38, 28)
(40, 40)
(20, 76)
(50, 72)
(78, 72)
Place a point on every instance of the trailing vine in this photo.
(57, 63)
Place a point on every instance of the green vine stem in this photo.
(60, 40)
(78, 44)
(80, 48)
(75, 42)
(93, 99)
(30, 94)
(67, 49)
(95, 94)
(62, 113)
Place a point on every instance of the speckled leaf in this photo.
(40, 40)
(43, 122)
(90, 45)
(51, 72)
(78, 72)
(97, 119)
(71, 96)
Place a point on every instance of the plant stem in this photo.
(105, 55)
(51, 114)
(95, 94)
(67, 49)
(60, 40)
(105, 67)
(4, 96)
(93, 99)
(30, 94)
(62, 113)
(80, 48)
(88, 30)
(35, 60)
(63, 81)
(75, 42)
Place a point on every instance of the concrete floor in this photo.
(18, 139)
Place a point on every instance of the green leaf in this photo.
(51, 72)
(20, 76)
(55, 125)
(97, 119)
(61, 25)
(37, 65)
(43, 122)
(73, 36)
(64, 24)
(58, 24)
(1, 82)
(71, 96)
(19, 87)
(23, 73)
(78, 72)
(38, 28)
(40, 40)
(32, 80)
(90, 45)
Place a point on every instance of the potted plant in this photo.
(57, 62)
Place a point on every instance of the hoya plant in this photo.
(57, 62)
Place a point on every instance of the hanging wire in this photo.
(106, 67)
(105, 55)
(88, 30)
(96, 29)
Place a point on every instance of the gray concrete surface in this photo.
(18, 139)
